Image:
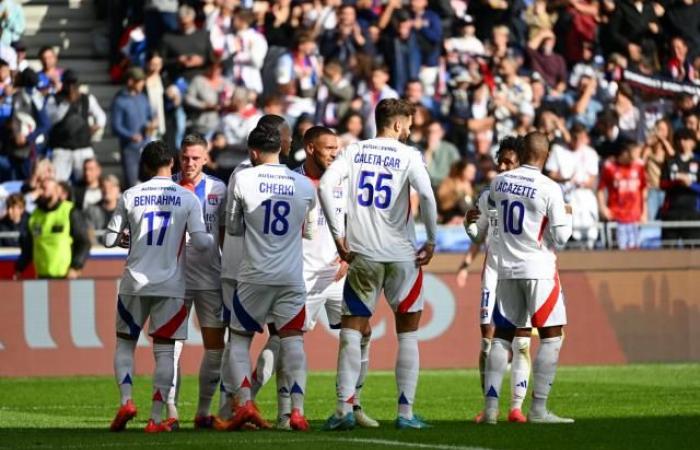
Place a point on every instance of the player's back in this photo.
(274, 202)
(158, 213)
(528, 203)
(379, 222)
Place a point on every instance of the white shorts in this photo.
(168, 316)
(228, 289)
(489, 280)
(402, 283)
(208, 306)
(330, 298)
(256, 304)
(531, 303)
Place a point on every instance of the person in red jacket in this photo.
(624, 180)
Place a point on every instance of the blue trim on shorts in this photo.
(499, 320)
(134, 330)
(356, 306)
(225, 314)
(243, 317)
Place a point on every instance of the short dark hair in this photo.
(390, 108)
(265, 140)
(155, 155)
(193, 139)
(510, 144)
(315, 132)
(15, 199)
(685, 133)
(272, 122)
(45, 49)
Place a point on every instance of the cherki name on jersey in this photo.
(266, 187)
(516, 189)
(378, 160)
(157, 200)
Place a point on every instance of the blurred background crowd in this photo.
(614, 84)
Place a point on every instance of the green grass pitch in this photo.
(635, 407)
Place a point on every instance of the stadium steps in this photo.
(71, 27)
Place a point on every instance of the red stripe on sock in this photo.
(246, 383)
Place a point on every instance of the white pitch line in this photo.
(390, 443)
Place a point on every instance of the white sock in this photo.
(240, 363)
(407, 366)
(543, 372)
(124, 367)
(162, 377)
(483, 354)
(349, 357)
(209, 376)
(520, 371)
(364, 367)
(294, 363)
(284, 401)
(174, 392)
(265, 365)
(496, 365)
(226, 388)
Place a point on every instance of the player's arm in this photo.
(222, 219)
(117, 224)
(560, 217)
(199, 238)
(334, 175)
(234, 224)
(311, 220)
(475, 216)
(420, 182)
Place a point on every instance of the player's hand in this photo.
(73, 274)
(462, 276)
(569, 209)
(472, 215)
(124, 240)
(425, 254)
(343, 252)
(342, 270)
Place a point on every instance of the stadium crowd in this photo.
(614, 85)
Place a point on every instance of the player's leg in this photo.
(228, 288)
(403, 288)
(489, 280)
(520, 372)
(289, 313)
(174, 393)
(360, 293)
(168, 323)
(208, 305)
(131, 315)
(267, 360)
(549, 317)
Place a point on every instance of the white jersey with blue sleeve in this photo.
(204, 267)
(233, 245)
(157, 214)
(269, 208)
(529, 204)
(380, 173)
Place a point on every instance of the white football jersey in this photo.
(157, 213)
(380, 173)
(204, 267)
(529, 204)
(488, 223)
(321, 261)
(270, 203)
(233, 245)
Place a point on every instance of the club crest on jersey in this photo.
(213, 199)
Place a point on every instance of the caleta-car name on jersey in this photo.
(157, 200)
(516, 189)
(378, 160)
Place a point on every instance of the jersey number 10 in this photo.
(151, 218)
(513, 216)
(369, 189)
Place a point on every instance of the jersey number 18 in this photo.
(275, 220)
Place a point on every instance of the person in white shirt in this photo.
(156, 215)
(247, 48)
(203, 278)
(482, 225)
(269, 209)
(380, 246)
(533, 219)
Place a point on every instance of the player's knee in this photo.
(163, 341)
(213, 338)
(407, 322)
(126, 336)
(550, 332)
(290, 333)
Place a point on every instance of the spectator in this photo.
(157, 93)
(15, 220)
(624, 181)
(658, 148)
(428, 28)
(580, 28)
(21, 49)
(630, 120)
(206, 96)
(55, 238)
(97, 215)
(132, 123)
(76, 119)
(347, 39)
(402, 51)
(299, 70)
(682, 19)
(678, 66)
(32, 187)
(512, 92)
(242, 117)
(456, 194)
(414, 93)
(538, 18)
(88, 192)
(12, 22)
(247, 48)
(351, 129)
(439, 155)
(634, 28)
(377, 91)
(581, 191)
(333, 96)
(281, 22)
(160, 17)
(419, 132)
(584, 106)
(551, 66)
(50, 73)
(185, 52)
(464, 45)
(681, 181)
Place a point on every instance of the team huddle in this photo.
(275, 247)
